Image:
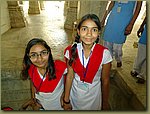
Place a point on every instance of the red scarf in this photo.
(47, 86)
(94, 63)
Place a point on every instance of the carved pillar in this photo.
(96, 7)
(66, 6)
(34, 7)
(71, 14)
(16, 14)
(21, 2)
(41, 5)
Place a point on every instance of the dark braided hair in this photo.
(27, 62)
(77, 38)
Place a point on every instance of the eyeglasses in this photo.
(35, 55)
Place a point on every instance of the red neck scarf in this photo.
(94, 63)
(46, 85)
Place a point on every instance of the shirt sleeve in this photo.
(107, 58)
(65, 72)
(67, 54)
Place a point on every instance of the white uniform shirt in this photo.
(51, 101)
(86, 96)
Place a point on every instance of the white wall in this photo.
(4, 17)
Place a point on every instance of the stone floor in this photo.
(14, 41)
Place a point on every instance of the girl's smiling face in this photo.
(39, 56)
(88, 32)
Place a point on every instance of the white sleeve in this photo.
(67, 54)
(65, 72)
(106, 57)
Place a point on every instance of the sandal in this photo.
(140, 81)
(134, 73)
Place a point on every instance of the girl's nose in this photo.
(39, 58)
(89, 31)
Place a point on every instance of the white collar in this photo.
(91, 48)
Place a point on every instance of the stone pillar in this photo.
(66, 6)
(71, 16)
(16, 14)
(42, 5)
(34, 7)
(96, 7)
(21, 2)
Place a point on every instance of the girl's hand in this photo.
(67, 106)
(105, 106)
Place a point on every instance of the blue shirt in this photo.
(119, 18)
(143, 37)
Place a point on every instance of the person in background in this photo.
(120, 22)
(46, 75)
(139, 68)
(87, 80)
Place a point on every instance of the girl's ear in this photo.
(100, 32)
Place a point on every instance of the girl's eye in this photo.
(83, 28)
(95, 29)
(33, 56)
(44, 52)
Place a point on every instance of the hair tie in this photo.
(74, 43)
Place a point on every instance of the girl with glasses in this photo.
(46, 75)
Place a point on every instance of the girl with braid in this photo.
(87, 80)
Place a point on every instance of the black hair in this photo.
(27, 62)
(77, 38)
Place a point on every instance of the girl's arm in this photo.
(37, 104)
(32, 90)
(105, 86)
(68, 85)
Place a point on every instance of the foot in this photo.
(134, 73)
(119, 64)
(140, 81)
